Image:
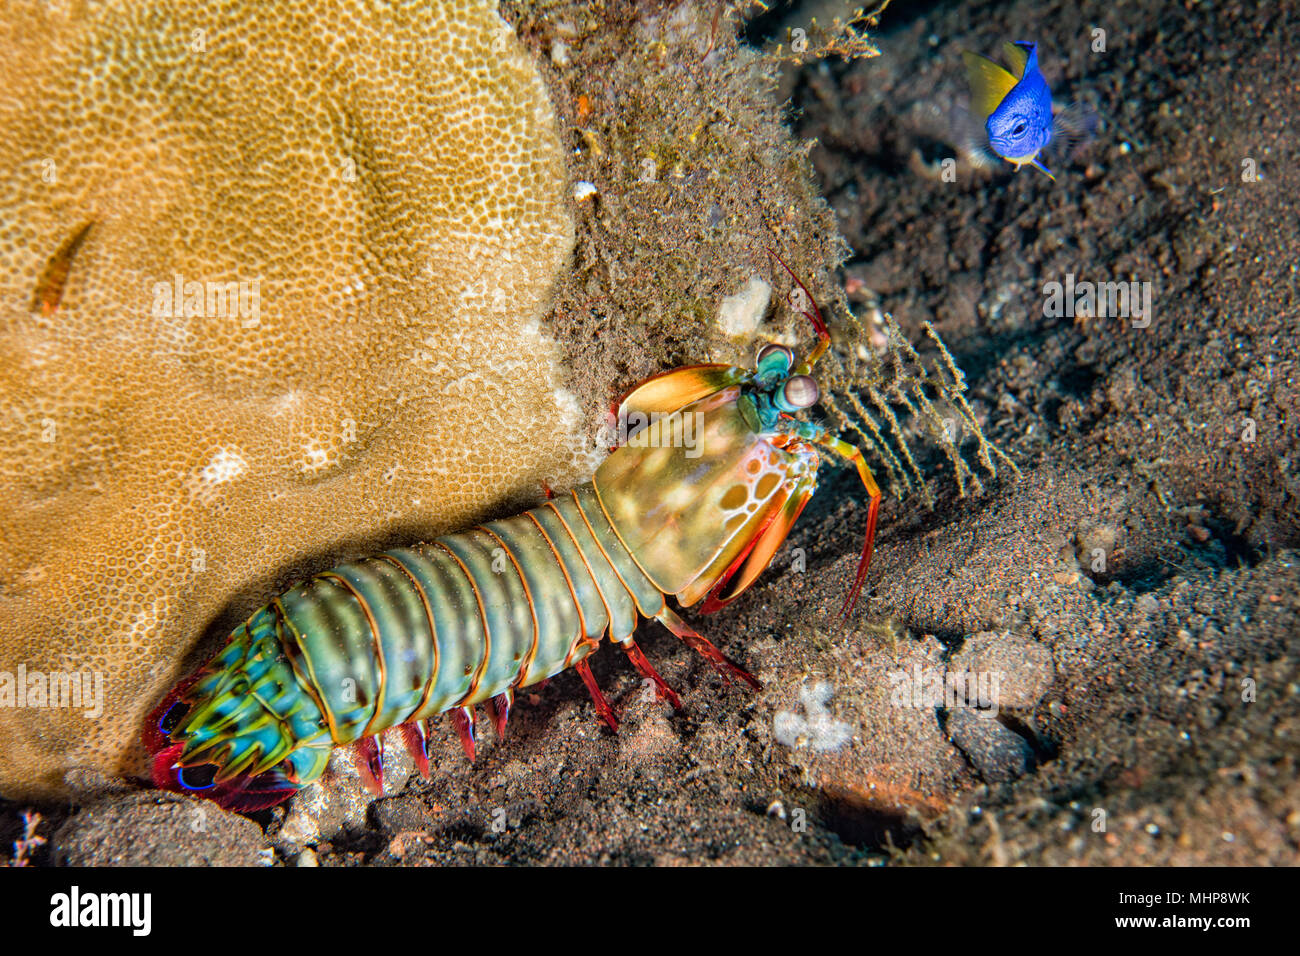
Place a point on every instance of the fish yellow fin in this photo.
(989, 83)
(1017, 56)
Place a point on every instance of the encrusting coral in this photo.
(270, 285)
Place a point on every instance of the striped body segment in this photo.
(405, 635)
(464, 618)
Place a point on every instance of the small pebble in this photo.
(1000, 755)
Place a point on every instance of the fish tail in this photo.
(1022, 57)
(989, 83)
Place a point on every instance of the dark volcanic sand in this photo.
(1123, 688)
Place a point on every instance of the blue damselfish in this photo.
(1015, 103)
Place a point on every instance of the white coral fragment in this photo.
(817, 729)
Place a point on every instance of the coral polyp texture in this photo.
(271, 282)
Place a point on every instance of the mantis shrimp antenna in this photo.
(841, 448)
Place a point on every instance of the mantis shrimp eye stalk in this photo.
(825, 440)
(774, 359)
(800, 391)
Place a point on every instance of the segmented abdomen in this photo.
(413, 632)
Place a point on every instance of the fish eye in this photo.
(775, 356)
(801, 391)
(1019, 128)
